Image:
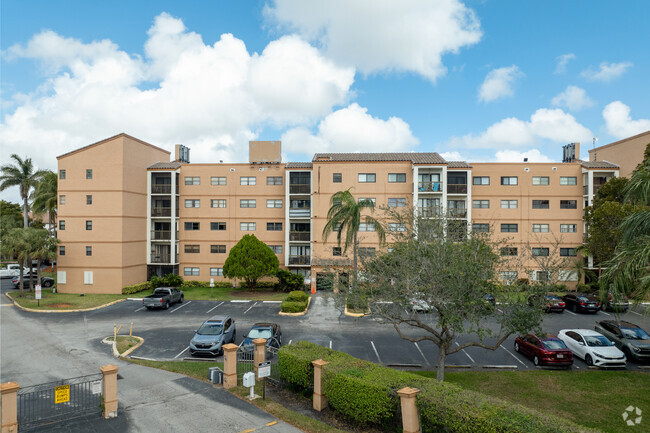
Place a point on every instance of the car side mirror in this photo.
(581, 343)
(196, 330)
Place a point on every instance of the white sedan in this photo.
(593, 347)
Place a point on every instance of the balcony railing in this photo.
(161, 211)
(299, 236)
(300, 189)
(161, 189)
(300, 213)
(457, 189)
(430, 186)
(430, 212)
(299, 260)
(161, 235)
(161, 258)
(458, 213)
(585, 190)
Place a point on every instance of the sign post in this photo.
(38, 294)
(263, 370)
(211, 286)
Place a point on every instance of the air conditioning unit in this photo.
(554, 168)
(526, 169)
(232, 169)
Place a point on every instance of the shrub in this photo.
(558, 287)
(523, 281)
(581, 287)
(293, 307)
(169, 280)
(288, 281)
(128, 290)
(297, 296)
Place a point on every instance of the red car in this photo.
(548, 350)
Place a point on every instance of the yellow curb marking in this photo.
(33, 310)
(297, 314)
(272, 423)
(247, 431)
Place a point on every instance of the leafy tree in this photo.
(16, 244)
(251, 259)
(288, 281)
(45, 197)
(603, 222)
(42, 247)
(22, 175)
(11, 216)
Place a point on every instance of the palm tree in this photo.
(45, 197)
(344, 215)
(43, 248)
(21, 174)
(16, 244)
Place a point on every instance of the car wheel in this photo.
(166, 305)
(574, 308)
(149, 308)
(627, 353)
(516, 347)
(47, 284)
(536, 361)
(181, 300)
(589, 360)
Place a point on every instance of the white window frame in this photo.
(540, 228)
(88, 277)
(539, 180)
(568, 180)
(219, 202)
(218, 180)
(396, 227)
(397, 201)
(365, 177)
(396, 177)
(192, 180)
(247, 203)
(247, 227)
(508, 204)
(277, 180)
(248, 180)
(216, 272)
(60, 277)
(192, 203)
(479, 204)
(566, 228)
(191, 271)
(366, 227)
(274, 203)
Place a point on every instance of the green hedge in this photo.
(128, 290)
(366, 393)
(200, 284)
(293, 307)
(297, 296)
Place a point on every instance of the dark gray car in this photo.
(628, 337)
(212, 335)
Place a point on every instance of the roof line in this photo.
(620, 141)
(122, 134)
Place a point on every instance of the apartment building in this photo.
(175, 216)
(627, 153)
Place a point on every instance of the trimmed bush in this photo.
(288, 281)
(293, 306)
(169, 280)
(297, 296)
(198, 284)
(128, 290)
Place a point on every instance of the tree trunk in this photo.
(31, 274)
(25, 217)
(38, 271)
(440, 371)
(354, 284)
(21, 278)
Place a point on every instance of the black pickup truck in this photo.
(163, 297)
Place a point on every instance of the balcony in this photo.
(299, 260)
(299, 236)
(161, 189)
(457, 189)
(585, 190)
(161, 211)
(161, 235)
(430, 212)
(430, 186)
(299, 213)
(300, 189)
(161, 258)
(458, 213)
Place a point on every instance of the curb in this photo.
(33, 310)
(356, 314)
(297, 314)
(128, 352)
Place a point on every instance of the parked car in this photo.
(489, 299)
(45, 281)
(270, 331)
(163, 297)
(12, 270)
(628, 337)
(212, 335)
(548, 350)
(582, 302)
(616, 302)
(549, 303)
(593, 347)
(420, 304)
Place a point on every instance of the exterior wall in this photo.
(264, 152)
(627, 153)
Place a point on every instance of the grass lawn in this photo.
(592, 398)
(196, 369)
(63, 301)
(124, 342)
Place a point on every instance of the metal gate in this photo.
(272, 356)
(61, 400)
(245, 360)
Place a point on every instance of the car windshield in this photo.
(635, 334)
(552, 298)
(209, 328)
(259, 333)
(553, 344)
(597, 341)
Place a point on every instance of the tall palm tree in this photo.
(344, 215)
(22, 175)
(43, 247)
(45, 197)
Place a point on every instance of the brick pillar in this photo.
(320, 401)
(260, 352)
(9, 407)
(229, 365)
(410, 415)
(109, 390)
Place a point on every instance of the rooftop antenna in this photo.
(594, 143)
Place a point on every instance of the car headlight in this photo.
(635, 348)
(598, 355)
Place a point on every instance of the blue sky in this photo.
(473, 80)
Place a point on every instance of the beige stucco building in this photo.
(627, 153)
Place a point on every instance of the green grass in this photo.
(124, 342)
(196, 369)
(62, 301)
(594, 399)
(228, 294)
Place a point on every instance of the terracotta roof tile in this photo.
(414, 157)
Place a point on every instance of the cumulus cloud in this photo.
(409, 35)
(574, 98)
(619, 123)
(452, 156)
(533, 155)
(606, 71)
(351, 129)
(562, 61)
(498, 83)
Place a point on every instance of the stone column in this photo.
(9, 407)
(229, 365)
(320, 401)
(260, 352)
(410, 415)
(109, 390)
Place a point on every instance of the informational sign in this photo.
(211, 282)
(38, 291)
(264, 369)
(62, 394)
(97, 387)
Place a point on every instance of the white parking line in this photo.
(271, 302)
(141, 308)
(606, 314)
(178, 308)
(214, 307)
(463, 350)
(330, 344)
(513, 355)
(181, 352)
(249, 308)
(241, 300)
(634, 312)
(499, 311)
(376, 353)
(571, 312)
(423, 357)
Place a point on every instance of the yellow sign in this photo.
(62, 394)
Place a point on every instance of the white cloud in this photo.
(620, 124)
(498, 83)
(533, 155)
(562, 61)
(351, 129)
(606, 71)
(574, 98)
(452, 156)
(409, 35)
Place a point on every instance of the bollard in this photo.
(410, 415)
(109, 390)
(229, 365)
(320, 401)
(9, 407)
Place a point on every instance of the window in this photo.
(508, 275)
(509, 228)
(60, 277)
(540, 252)
(88, 277)
(218, 180)
(540, 204)
(218, 202)
(192, 226)
(61, 174)
(481, 228)
(396, 227)
(508, 204)
(220, 226)
(508, 251)
(336, 251)
(192, 180)
(62, 250)
(568, 180)
(191, 271)
(247, 180)
(540, 275)
(89, 173)
(89, 225)
(396, 177)
(62, 199)
(218, 249)
(216, 272)
(481, 204)
(89, 199)
(192, 203)
(540, 228)
(274, 227)
(508, 180)
(367, 177)
(192, 249)
(247, 227)
(277, 249)
(89, 250)
(568, 204)
(396, 202)
(274, 203)
(337, 177)
(61, 224)
(568, 228)
(568, 252)
(367, 252)
(274, 180)
(368, 199)
(563, 275)
(540, 180)
(481, 180)
(366, 227)
(247, 203)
